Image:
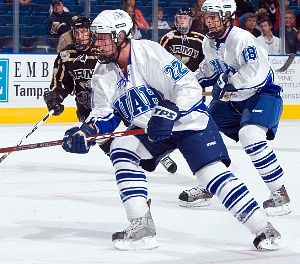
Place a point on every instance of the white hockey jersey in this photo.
(153, 74)
(247, 63)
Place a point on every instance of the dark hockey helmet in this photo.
(82, 40)
(185, 25)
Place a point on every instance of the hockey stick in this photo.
(95, 138)
(287, 64)
(206, 93)
(28, 134)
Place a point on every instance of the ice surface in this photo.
(60, 208)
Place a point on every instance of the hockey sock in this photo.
(132, 182)
(234, 195)
(253, 140)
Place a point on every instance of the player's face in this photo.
(213, 22)
(82, 35)
(183, 20)
(105, 45)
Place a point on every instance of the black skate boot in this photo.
(195, 197)
(169, 164)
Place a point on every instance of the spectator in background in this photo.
(51, 9)
(267, 40)
(198, 20)
(139, 18)
(291, 39)
(243, 8)
(277, 14)
(60, 21)
(161, 24)
(135, 32)
(198, 4)
(269, 8)
(251, 25)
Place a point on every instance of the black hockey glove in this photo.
(162, 120)
(222, 86)
(53, 101)
(75, 141)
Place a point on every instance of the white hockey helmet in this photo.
(225, 8)
(113, 21)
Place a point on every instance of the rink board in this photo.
(25, 77)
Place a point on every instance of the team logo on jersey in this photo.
(64, 55)
(184, 50)
(221, 67)
(82, 74)
(250, 53)
(82, 58)
(176, 70)
(137, 101)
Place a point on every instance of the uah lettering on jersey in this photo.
(221, 67)
(137, 101)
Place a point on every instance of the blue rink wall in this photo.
(25, 77)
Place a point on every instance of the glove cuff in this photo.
(88, 130)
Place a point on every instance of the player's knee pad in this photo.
(251, 134)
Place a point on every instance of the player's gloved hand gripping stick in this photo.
(94, 138)
(222, 86)
(75, 139)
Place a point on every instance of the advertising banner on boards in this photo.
(25, 77)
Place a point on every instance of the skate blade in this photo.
(279, 210)
(128, 244)
(270, 245)
(197, 203)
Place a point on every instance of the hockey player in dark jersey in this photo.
(182, 41)
(73, 70)
(72, 73)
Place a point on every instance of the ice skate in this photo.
(278, 203)
(139, 235)
(195, 197)
(268, 239)
(169, 164)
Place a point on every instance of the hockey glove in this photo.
(222, 86)
(162, 120)
(53, 102)
(75, 141)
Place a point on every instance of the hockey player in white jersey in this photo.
(246, 99)
(152, 89)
